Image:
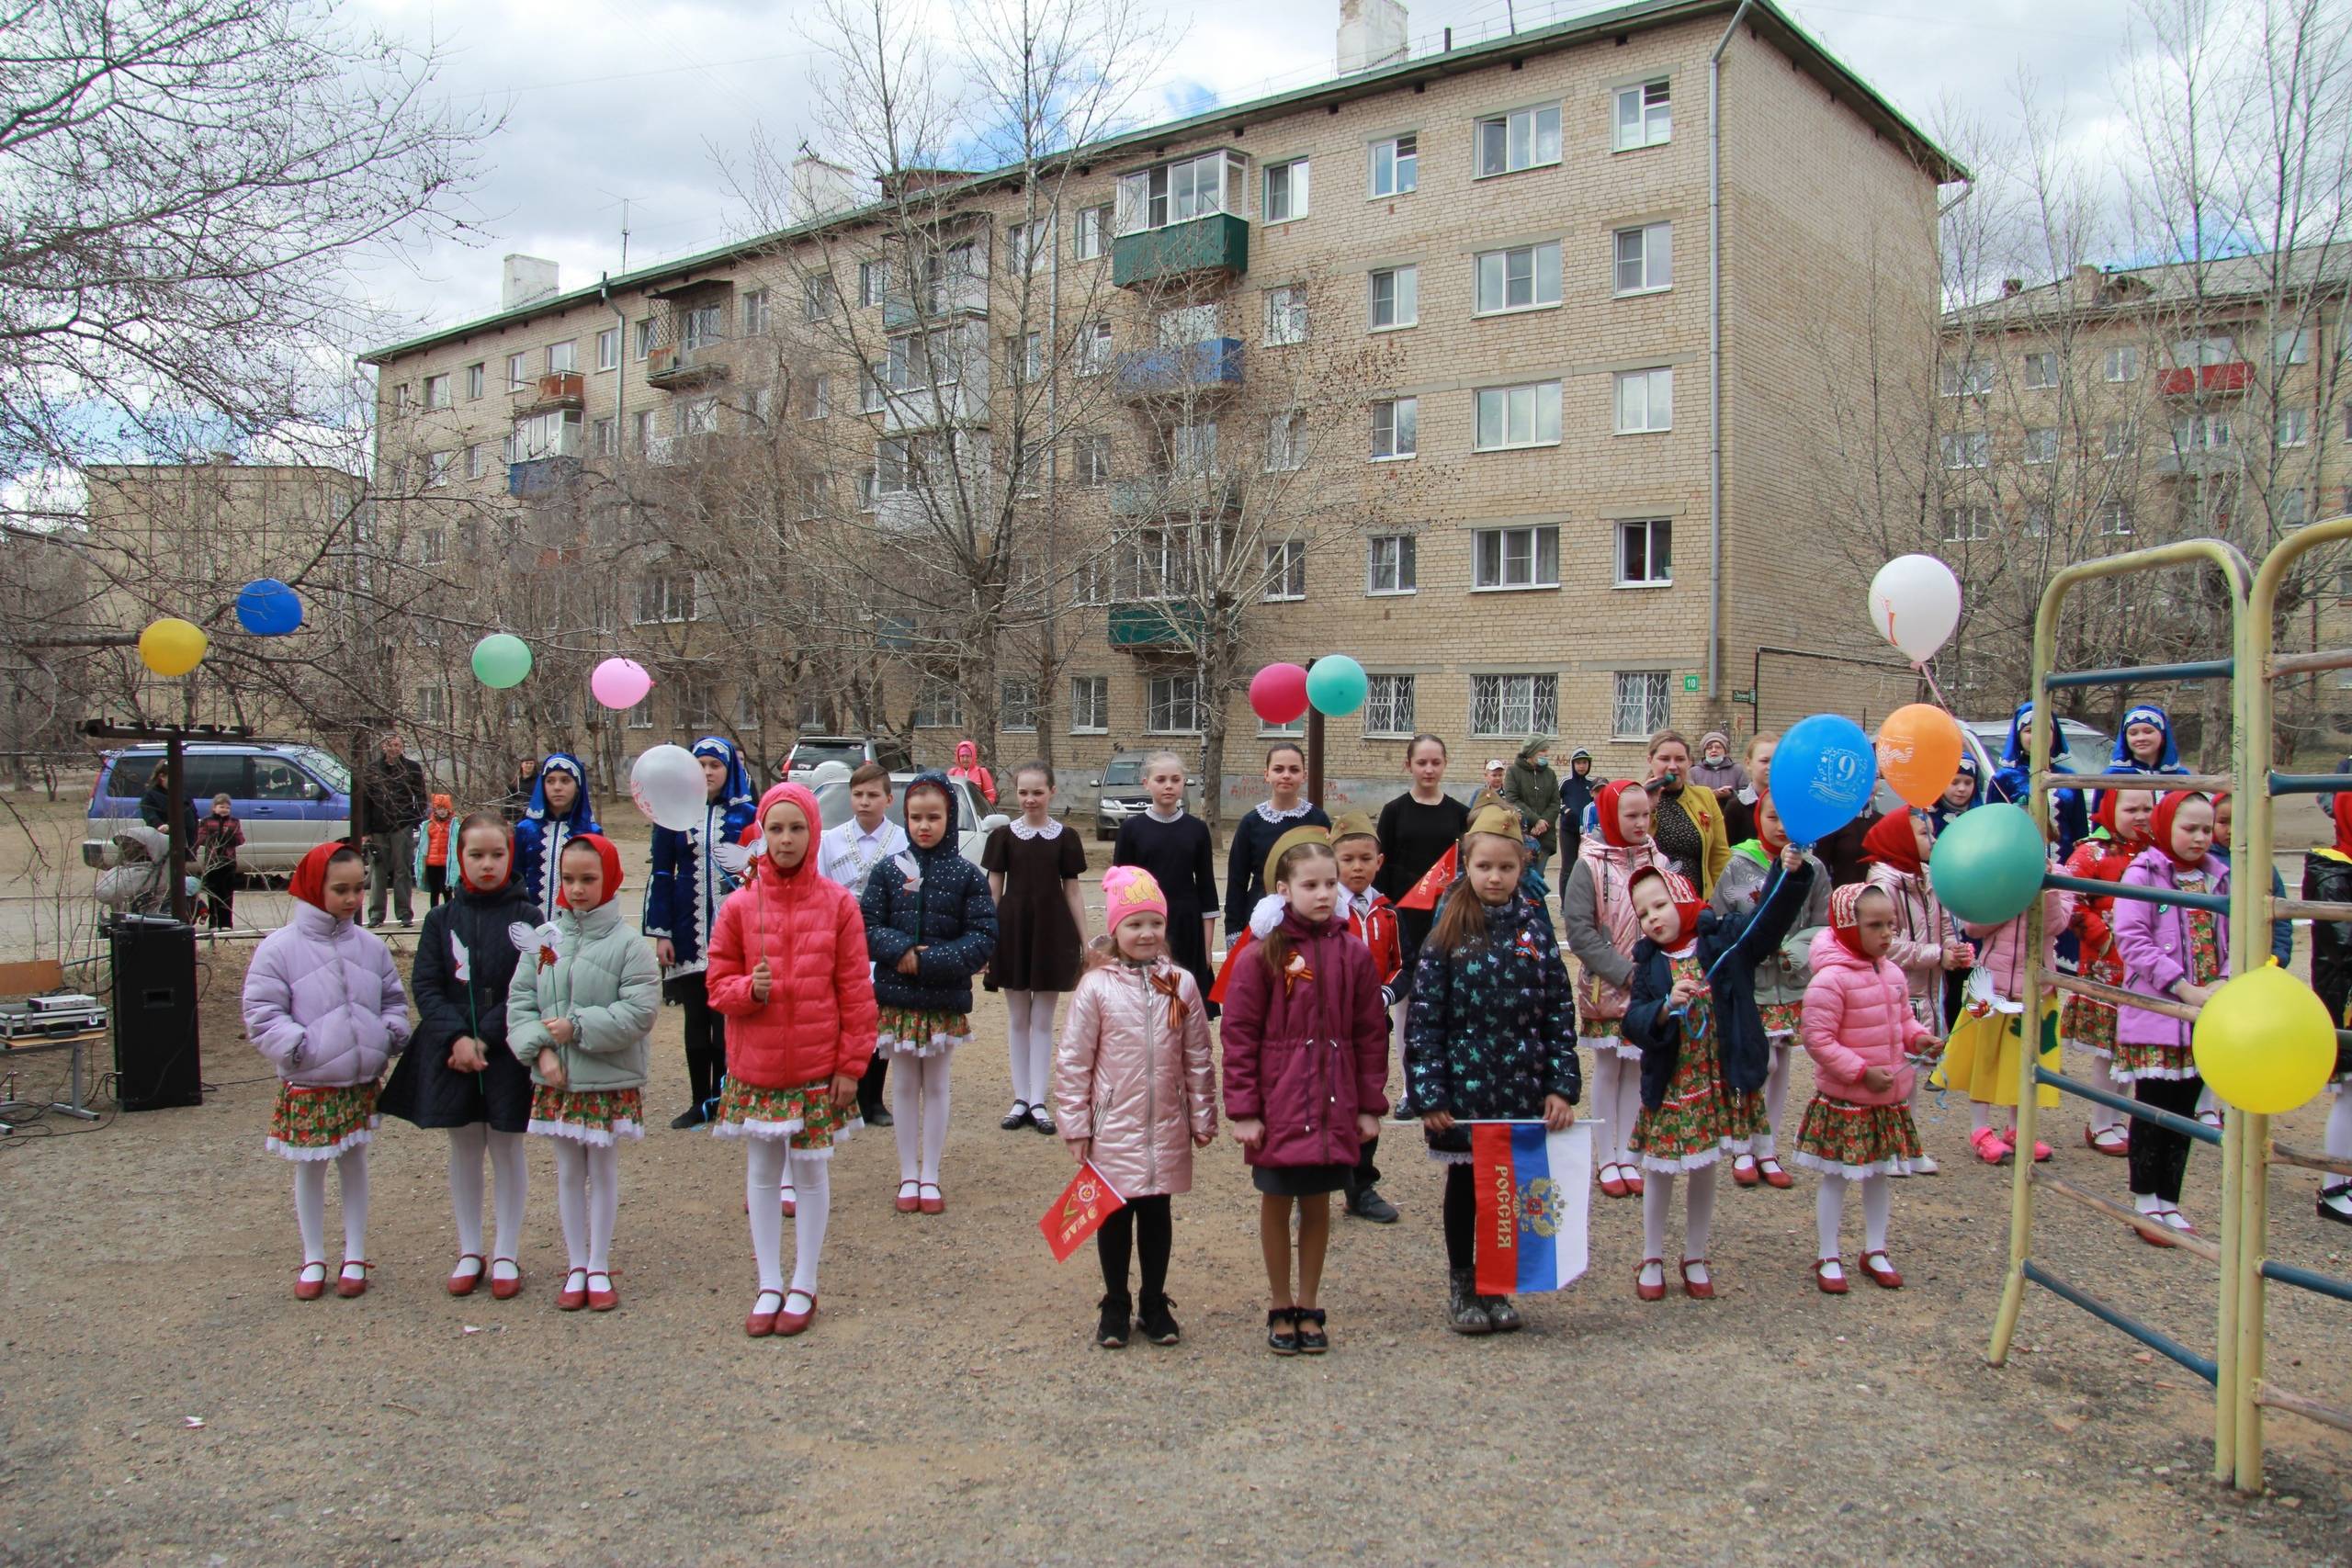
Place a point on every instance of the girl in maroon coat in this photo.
(1305, 1075)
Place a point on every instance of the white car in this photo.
(978, 818)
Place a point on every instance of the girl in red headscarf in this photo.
(1597, 910)
(1780, 979)
(2122, 819)
(2327, 878)
(1926, 945)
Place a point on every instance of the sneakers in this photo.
(1159, 1324)
(1464, 1312)
(1366, 1203)
(1990, 1146)
(1111, 1327)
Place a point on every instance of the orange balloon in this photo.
(1918, 752)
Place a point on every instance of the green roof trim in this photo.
(1640, 14)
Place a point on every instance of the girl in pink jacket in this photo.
(323, 1004)
(1597, 914)
(1136, 1093)
(1864, 1038)
(1927, 944)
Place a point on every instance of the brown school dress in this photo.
(1038, 948)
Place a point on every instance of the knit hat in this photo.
(1130, 890)
(1352, 825)
(611, 858)
(1713, 737)
(1304, 834)
(800, 796)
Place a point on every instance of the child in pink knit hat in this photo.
(1134, 1092)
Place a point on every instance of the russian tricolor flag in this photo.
(1531, 1186)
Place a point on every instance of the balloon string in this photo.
(1920, 665)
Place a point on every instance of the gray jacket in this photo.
(1783, 976)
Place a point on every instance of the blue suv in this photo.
(290, 797)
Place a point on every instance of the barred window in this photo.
(1514, 704)
(1642, 707)
(1388, 705)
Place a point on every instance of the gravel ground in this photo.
(948, 1408)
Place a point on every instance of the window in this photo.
(816, 496)
(873, 282)
(476, 462)
(818, 297)
(1089, 461)
(640, 717)
(869, 391)
(1388, 707)
(432, 547)
(1968, 449)
(1286, 314)
(1646, 553)
(755, 313)
(1094, 348)
(1396, 297)
(2115, 519)
(1092, 232)
(1286, 571)
(938, 704)
(664, 597)
(1396, 166)
(2200, 433)
(2041, 443)
(1645, 116)
(518, 375)
(1518, 416)
(642, 343)
(820, 397)
(761, 406)
(2193, 351)
(1287, 190)
(553, 433)
(436, 391)
(1388, 564)
(563, 358)
(432, 705)
(402, 395)
(1024, 359)
(1965, 524)
(2123, 362)
(2294, 427)
(1286, 443)
(1016, 705)
(1642, 705)
(1519, 279)
(2294, 347)
(1515, 557)
(1520, 140)
(697, 700)
(1171, 705)
(608, 349)
(1646, 259)
(1395, 429)
(2041, 371)
(2037, 521)
(1089, 705)
(1090, 581)
(1188, 451)
(1179, 192)
(703, 324)
(474, 377)
(2292, 508)
(2118, 439)
(1030, 245)
(1969, 377)
(699, 417)
(1645, 401)
(641, 429)
(1186, 326)
(1033, 466)
(1516, 705)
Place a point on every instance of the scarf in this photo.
(1772, 846)
(1891, 843)
(1846, 917)
(1604, 805)
(611, 860)
(1688, 905)
(308, 882)
(2105, 818)
(2344, 824)
(2168, 807)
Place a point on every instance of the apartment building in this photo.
(1431, 343)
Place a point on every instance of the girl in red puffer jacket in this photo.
(1305, 1075)
(787, 968)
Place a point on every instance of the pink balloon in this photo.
(620, 682)
(1278, 692)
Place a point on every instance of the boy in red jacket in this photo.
(1371, 920)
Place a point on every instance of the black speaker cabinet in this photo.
(155, 1060)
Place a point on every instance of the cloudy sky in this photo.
(609, 100)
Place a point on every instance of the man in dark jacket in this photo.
(1576, 799)
(397, 800)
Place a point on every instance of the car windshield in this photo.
(816, 753)
(1124, 771)
(324, 766)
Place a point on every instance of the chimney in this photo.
(1371, 34)
(526, 280)
(819, 190)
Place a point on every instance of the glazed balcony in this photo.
(1213, 366)
(1218, 243)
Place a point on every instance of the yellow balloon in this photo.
(2265, 1042)
(172, 646)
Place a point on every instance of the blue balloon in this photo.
(267, 607)
(1822, 773)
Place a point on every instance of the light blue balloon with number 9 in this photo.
(1822, 773)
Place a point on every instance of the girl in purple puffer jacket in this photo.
(324, 1003)
(1305, 1075)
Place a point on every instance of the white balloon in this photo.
(1915, 604)
(667, 784)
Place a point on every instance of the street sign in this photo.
(1747, 697)
(1690, 682)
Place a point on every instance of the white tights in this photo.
(1029, 1038)
(765, 1162)
(1698, 1216)
(310, 1204)
(2339, 1123)
(509, 1175)
(1829, 1213)
(1776, 1100)
(919, 1115)
(1616, 1100)
(2103, 1076)
(588, 1198)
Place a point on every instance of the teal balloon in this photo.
(1822, 772)
(502, 659)
(1336, 685)
(1988, 863)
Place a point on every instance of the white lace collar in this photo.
(1265, 808)
(1022, 830)
(1152, 811)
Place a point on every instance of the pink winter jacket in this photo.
(1922, 926)
(2153, 941)
(1140, 1088)
(1858, 1016)
(1597, 913)
(2000, 950)
(324, 1002)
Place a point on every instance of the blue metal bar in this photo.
(2217, 902)
(2310, 783)
(2167, 1120)
(2322, 1284)
(2198, 669)
(2099, 1309)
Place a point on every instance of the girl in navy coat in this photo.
(561, 811)
(682, 910)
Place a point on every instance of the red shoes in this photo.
(1882, 1271)
(791, 1203)
(348, 1286)
(1650, 1292)
(571, 1298)
(908, 1202)
(760, 1325)
(1770, 1169)
(2114, 1140)
(1697, 1289)
(462, 1284)
(1742, 1171)
(504, 1290)
(931, 1202)
(1613, 1185)
(1829, 1287)
(307, 1289)
(605, 1299)
(1633, 1179)
(788, 1324)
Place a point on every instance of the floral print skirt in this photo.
(915, 1031)
(588, 1115)
(2134, 1062)
(310, 1123)
(806, 1116)
(1855, 1141)
(1599, 1035)
(2088, 1024)
(1782, 1020)
(1701, 1117)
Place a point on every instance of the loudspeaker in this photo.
(156, 1059)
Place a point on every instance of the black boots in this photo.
(1111, 1328)
(1466, 1313)
(1159, 1324)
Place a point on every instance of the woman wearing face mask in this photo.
(1687, 824)
(1533, 789)
(1715, 768)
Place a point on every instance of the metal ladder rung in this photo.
(2153, 783)
(2308, 909)
(2285, 1156)
(2169, 1121)
(2310, 1279)
(2310, 663)
(2154, 1339)
(2115, 996)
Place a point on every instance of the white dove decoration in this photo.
(529, 938)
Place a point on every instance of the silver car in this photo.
(978, 820)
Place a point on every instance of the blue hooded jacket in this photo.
(2124, 763)
(934, 899)
(689, 883)
(539, 838)
(2069, 814)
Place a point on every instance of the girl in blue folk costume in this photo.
(2069, 813)
(560, 812)
(2145, 745)
(682, 909)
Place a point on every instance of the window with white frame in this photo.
(1396, 166)
(1389, 564)
(2036, 522)
(1968, 449)
(1521, 278)
(755, 313)
(818, 297)
(1967, 525)
(1016, 705)
(436, 391)
(1388, 706)
(477, 462)
(873, 282)
(1645, 401)
(2115, 519)
(1645, 552)
(1285, 190)
(1032, 468)
(819, 402)
(1395, 429)
(1187, 451)
(519, 372)
(2122, 363)
(698, 417)
(1396, 297)
(2290, 347)
(1644, 259)
(1641, 703)
(1285, 571)
(2041, 371)
(665, 597)
(1171, 705)
(1517, 416)
(1180, 192)
(403, 396)
(608, 349)
(761, 406)
(1089, 705)
(642, 345)
(432, 705)
(1286, 314)
(2201, 432)
(1089, 460)
(816, 495)
(702, 324)
(1024, 359)
(2194, 353)
(563, 356)
(2294, 427)
(1515, 557)
(2291, 507)
(1286, 442)
(1092, 233)
(1186, 326)
(1030, 245)
(698, 699)
(2041, 443)
(939, 705)
(640, 717)
(1645, 116)
(551, 432)
(1090, 579)
(1094, 356)
(1523, 138)
(641, 429)
(1515, 705)
(475, 376)
(1967, 378)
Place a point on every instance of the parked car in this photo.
(1119, 793)
(978, 818)
(812, 751)
(2087, 748)
(290, 797)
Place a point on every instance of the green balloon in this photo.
(1336, 685)
(502, 659)
(1989, 863)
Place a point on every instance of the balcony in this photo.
(1218, 243)
(1153, 625)
(2198, 462)
(2231, 376)
(1211, 366)
(535, 479)
(556, 389)
(952, 297)
(959, 403)
(673, 367)
(1176, 495)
